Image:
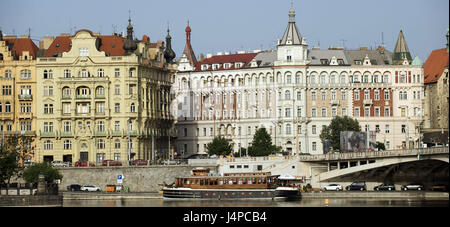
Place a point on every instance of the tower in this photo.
(169, 54)
(188, 60)
(129, 45)
(401, 50)
(292, 48)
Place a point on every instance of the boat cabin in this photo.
(233, 181)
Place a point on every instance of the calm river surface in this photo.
(316, 202)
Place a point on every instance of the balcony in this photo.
(65, 97)
(334, 102)
(367, 102)
(25, 97)
(83, 96)
(47, 134)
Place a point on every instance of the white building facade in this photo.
(294, 92)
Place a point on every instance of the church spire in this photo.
(401, 50)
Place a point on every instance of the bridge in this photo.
(429, 164)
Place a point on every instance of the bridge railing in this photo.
(375, 154)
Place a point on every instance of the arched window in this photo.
(45, 74)
(132, 108)
(66, 92)
(100, 91)
(287, 95)
(288, 79)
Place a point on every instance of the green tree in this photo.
(13, 152)
(219, 146)
(31, 174)
(338, 125)
(262, 144)
(380, 146)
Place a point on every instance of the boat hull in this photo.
(223, 194)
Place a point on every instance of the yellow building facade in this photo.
(103, 97)
(18, 87)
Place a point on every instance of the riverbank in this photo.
(378, 194)
(31, 200)
(110, 195)
(305, 195)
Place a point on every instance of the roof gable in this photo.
(434, 65)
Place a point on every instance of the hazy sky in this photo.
(232, 25)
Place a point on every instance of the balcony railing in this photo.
(83, 96)
(25, 97)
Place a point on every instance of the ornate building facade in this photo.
(294, 92)
(18, 87)
(103, 97)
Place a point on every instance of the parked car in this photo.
(139, 162)
(90, 188)
(60, 164)
(413, 186)
(74, 187)
(358, 185)
(82, 163)
(439, 187)
(333, 187)
(111, 163)
(384, 187)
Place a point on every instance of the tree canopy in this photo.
(262, 144)
(31, 174)
(337, 125)
(13, 153)
(219, 146)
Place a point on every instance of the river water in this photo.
(316, 202)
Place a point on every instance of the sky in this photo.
(233, 25)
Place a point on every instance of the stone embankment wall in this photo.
(138, 179)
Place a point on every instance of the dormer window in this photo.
(324, 61)
(226, 65)
(215, 66)
(204, 67)
(358, 62)
(340, 61)
(238, 64)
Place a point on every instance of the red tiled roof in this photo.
(22, 44)
(111, 44)
(434, 65)
(60, 44)
(220, 59)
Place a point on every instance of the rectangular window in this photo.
(386, 129)
(84, 52)
(117, 72)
